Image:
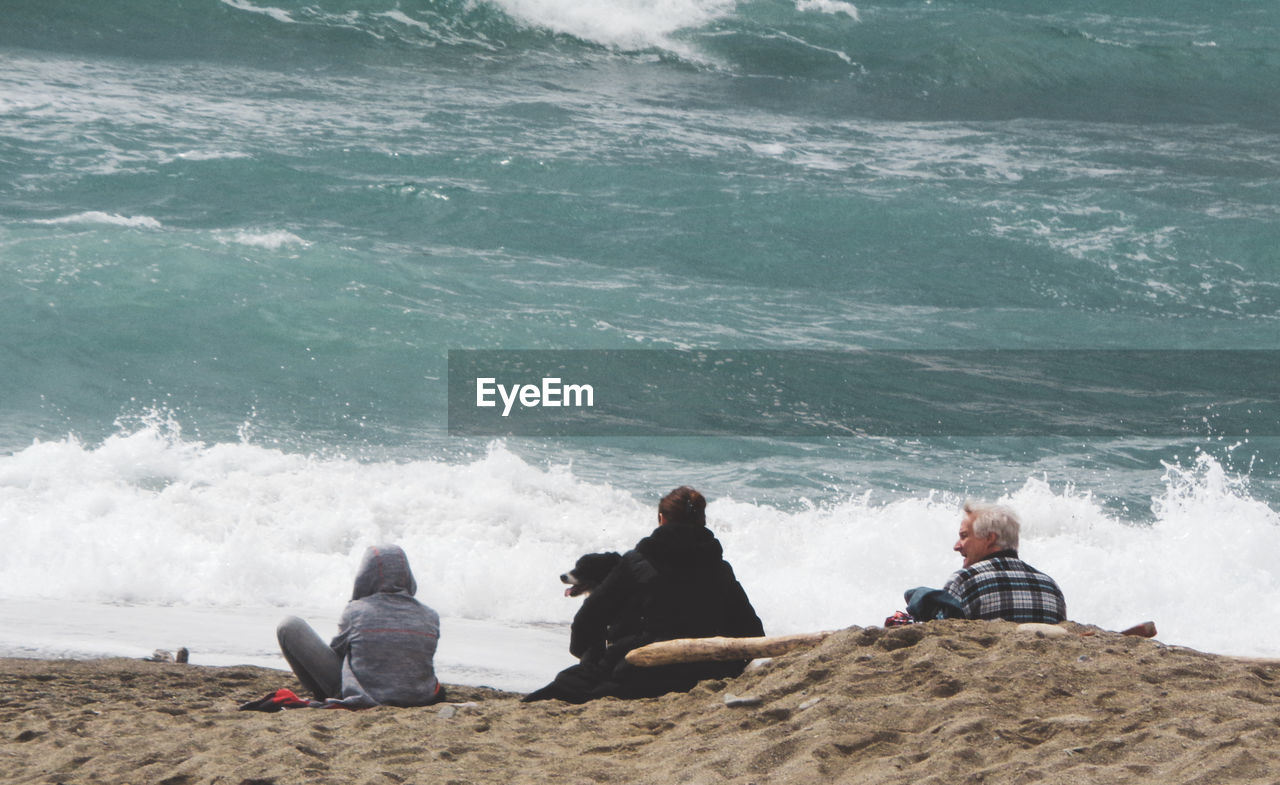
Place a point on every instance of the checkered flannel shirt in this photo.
(1002, 586)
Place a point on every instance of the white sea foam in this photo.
(396, 15)
(97, 217)
(278, 14)
(151, 518)
(627, 24)
(271, 240)
(829, 7)
(206, 155)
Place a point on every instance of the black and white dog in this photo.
(589, 572)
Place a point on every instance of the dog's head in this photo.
(589, 572)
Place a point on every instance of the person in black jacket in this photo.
(674, 584)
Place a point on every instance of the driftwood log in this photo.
(709, 649)
(714, 649)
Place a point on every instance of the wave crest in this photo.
(151, 516)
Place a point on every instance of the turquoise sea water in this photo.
(235, 228)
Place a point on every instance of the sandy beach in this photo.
(943, 702)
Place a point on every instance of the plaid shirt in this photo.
(1002, 586)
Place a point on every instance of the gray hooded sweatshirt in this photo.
(386, 638)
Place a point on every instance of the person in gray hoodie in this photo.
(385, 649)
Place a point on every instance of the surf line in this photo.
(550, 392)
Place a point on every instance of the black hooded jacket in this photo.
(674, 584)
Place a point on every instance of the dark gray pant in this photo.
(317, 666)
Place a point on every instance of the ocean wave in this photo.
(151, 516)
(270, 240)
(625, 24)
(908, 59)
(98, 217)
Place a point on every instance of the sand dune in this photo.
(945, 702)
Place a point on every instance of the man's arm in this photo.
(744, 622)
(959, 586)
(342, 642)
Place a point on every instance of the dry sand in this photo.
(944, 702)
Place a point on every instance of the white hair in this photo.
(989, 518)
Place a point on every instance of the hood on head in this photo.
(384, 570)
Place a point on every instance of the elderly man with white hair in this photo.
(994, 583)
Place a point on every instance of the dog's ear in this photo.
(599, 560)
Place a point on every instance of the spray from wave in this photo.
(151, 517)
